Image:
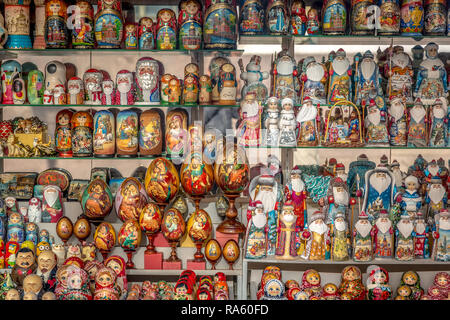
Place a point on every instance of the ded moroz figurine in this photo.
(286, 233)
(340, 241)
(124, 94)
(404, 239)
(340, 82)
(397, 122)
(436, 198)
(253, 78)
(318, 244)
(93, 79)
(421, 235)
(338, 199)
(375, 123)
(249, 130)
(256, 237)
(313, 81)
(399, 175)
(308, 122)
(271, 118)
(441, 234)
(383, 236)
(400, 73)
(431, 82)
(287, 124)
(147, 81)
(438, 123)
(285, 81)
(75, 94)
(108, 92)
(52, 204)
(362, 239)
(417, 125)
(295, 192)
(368, 80)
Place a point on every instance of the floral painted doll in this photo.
(92, 267)
(274, 290)
(77, 284)
(117, 263)
(330, 292)
(61, 281)
(442, 281)
(311, 282)
(378, 287)
(411, 279)
(105, 285)
(351, 283)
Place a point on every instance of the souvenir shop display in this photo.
(56, 31)
(83, 34)
(277, 18)
(219, 26)
(251, 17)
(166, 30)
(109, 24)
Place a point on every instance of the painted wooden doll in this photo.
(318, 241)
(438, 123)
(227, 84)
(97, 201)
(39, 35)
(151, 132)
(360, 17)
(313, 25)
(389, 17)
(417, 125)
(55, 74)
(130, 199)
(146, 34)
(125, 91)
(190, 90)
(17, 17)
(400, 74)
(35, 87)
(127, 124)
(15, 230)
(256, 236)
(19, 91)
(340, 241)
(340, 83)
(435, 17)
(190, 25)
(377, 284)
(83, 36)
(253, 77)
(368, 83)
(176, 132)
(52, 204)
(219, 28)
(59, 95)
(147, 81)
(165, 79)
(205, 90)
(63, 133)
(313, 78)
(404, 240)
(397, 125)
(109, 24)
(412, 16)
(92, 80)
(251, 17)
(104, 134)
(166, 30)
(298, 21)
(376, 126)
(214, 70)
(105, 285)
(362, 239)
(383, 234)
(75, 94)
(249, 130)
(277, 17)
(287, 124)
(10, 71)
(285, 77)
(131, 36)
(307, 121)
(82, 126)
(56, 32)
(174, 91)
(286, 240)
(270, 119)
(334, 17)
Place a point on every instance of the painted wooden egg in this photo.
(64, 228)
(197, 177)
(199, 226)
(173, 225)
(130, 199)
(231, 170)
(97, 200)
(82, 228)
(130, 235)
(151, 218)
(231, 251)
(161, 180)
(105, 236)
(213, 250)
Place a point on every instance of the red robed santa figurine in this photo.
(295, 192)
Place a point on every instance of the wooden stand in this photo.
(231, 225)
(173, 254)
(130, 263)
(222, 238)
(198, 255)
(150, 247)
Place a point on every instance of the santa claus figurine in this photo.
(318, 245)
(383, 235)
(108, 93)
(76, 91)
(287, 237)
(362, 239)
(295, 191)
(93, 79)
(125, 88)
(432, 170)
(34, 210)
(52, 205)
(436, 198)
(441, 234)
(337, 200)
(404, 244)
(339, 171)
(421, 233)
(307, 124)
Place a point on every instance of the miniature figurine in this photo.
(417, 127)
(441, 232)
(285, 81)
(52, 204)
(375, 123)
(117, 264)
(368, 80)
(253, 78)
(334, 15)
(93, 79)
(214, 70)
(47, 267)
(362, 239)
(318, 245)
(63, 133)
(25, 264)
(146, 34)
(56, 32)
(340, 84)
(166, 30)
(287, 124)
(190, 90)
(109, 24)
(34, 210)
(314, 77)
(383, 234)
(147, 81)
(227, 85)
(131, 36)
(249, 130)
(404, 244)
(377, 285)
(75, 94)
(271, 116)
(397, 122)
(340, 241)
(295, 192)
(286, 240)
(438, 123)
(307, 122)
(251, 17)
(411, 200)
(436, 198)
(400, 73)
(190, 25)
(421, 235)
(256, 235)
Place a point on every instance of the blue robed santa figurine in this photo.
(380, 191)
(337, 200)
(411, 200)
(441, 235)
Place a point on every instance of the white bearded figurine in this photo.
(307, 123)
(108, 93)
(438, 128)
(383, 236)
(432, 170)
(376, 129)
(287, 124)
(441, 235)
(318, 245)
(337, 200)
(399, 175)
(76, 91)
(362, 239)
(397, 122)
(59, 95)
(404, 244)
(436, 198)
(249, 130)
(256, 236)
(125, 88)
(93, 79)
(147, 81)
(340, 243)
(287, 238)
(60, 251)
(34, 210)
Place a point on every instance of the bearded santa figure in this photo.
(147, 81)
(377, 133)
(404, 244)
(249, 130)
(421, 233)
(108, 97)
(400, 74)
(379, 189)
(93, 79)
(124, 94)
(314, 79)
(340, 244)
(397, 122)
(340, 84)
(274, 168)
(307, 123)
(295, 192)
(436, 198)
(34, 210)
(417, 125)
(438, 128)
(411, 200)
(256, 235)
(337, 200)
(264, 188)
(398, 174)
(339, 171)
(362, 239)
(318, 245)
(52, 204)
(287, 236)
(432, 170)
(441, 236)
(75, 93)
(383, 235)
(368, 85)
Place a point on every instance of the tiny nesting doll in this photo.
(75, 94)
(127, 133)
(276, 17)
(313, 22)
(15, 231)
(56, 32)
(251, 17)
(205, 90)
(176, 132)
(10, 71)
(190, 25)
(190, 85)
(93, 79)
(151, 132)
(214, 69)
(125, 88)
(83, 29)
(52, 204)
(104, 134)
(146, 34)
(334, 15)
(165, 79)
(105, 285)
(298, 18)
(19, 91)
(174, 91)
(35, 87)
(63, 133)
(109, 24)
(227, 84)
(166, 30)
(131, 36)
(82, 126)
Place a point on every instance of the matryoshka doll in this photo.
(313, 22)
(205, 90)
(75, 92)
(127, 123)
(130, 199)
(146, 34)
(83, 28)
(17, 17)
(219, 28)
(412, 16)
(92, 267)
(117, 264)
(251, 17)
(435, 17)
(176, 132)
(10, 71)
(190, 84)
(360, 19)
(298, 21)
(109, 24)
(334, 17)
(63, 133)
(166, 30)
(214, 70)
(35, 87)
(82, 126)
(52, 204)
(131, 36)
(174, 91)
(165, 79)
(105, 285)
(39, 28)
(19, 91)
(104, 134)
(227, 85)
(151, 132)
(389, 17)
(190, 25)
(56, 32)
(277, 17)
(15, 231)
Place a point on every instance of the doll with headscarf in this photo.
(92, 267)
(377, 285)
(15, 228)
(274, 290)
(77, 284)
(105, 285)
(61, 281)
(351, 283)
(412, 280)
(442, 281)
(311, 282)
(117, 263)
